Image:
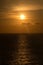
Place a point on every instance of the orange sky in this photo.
(10, 11)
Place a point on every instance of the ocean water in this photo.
(21, 49)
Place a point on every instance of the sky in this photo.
(14, 5)
(7, 8)
(31, 4)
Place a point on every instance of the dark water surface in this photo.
(21, 49)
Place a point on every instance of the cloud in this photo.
(6, 4)
(7, 8)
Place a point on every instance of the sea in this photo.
(21, 49)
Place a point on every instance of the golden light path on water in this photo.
(22, 56)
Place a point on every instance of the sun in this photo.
(22, 16)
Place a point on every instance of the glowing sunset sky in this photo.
(8, 9)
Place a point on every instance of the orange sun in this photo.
(22, 16)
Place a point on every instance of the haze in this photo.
(11, 9)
